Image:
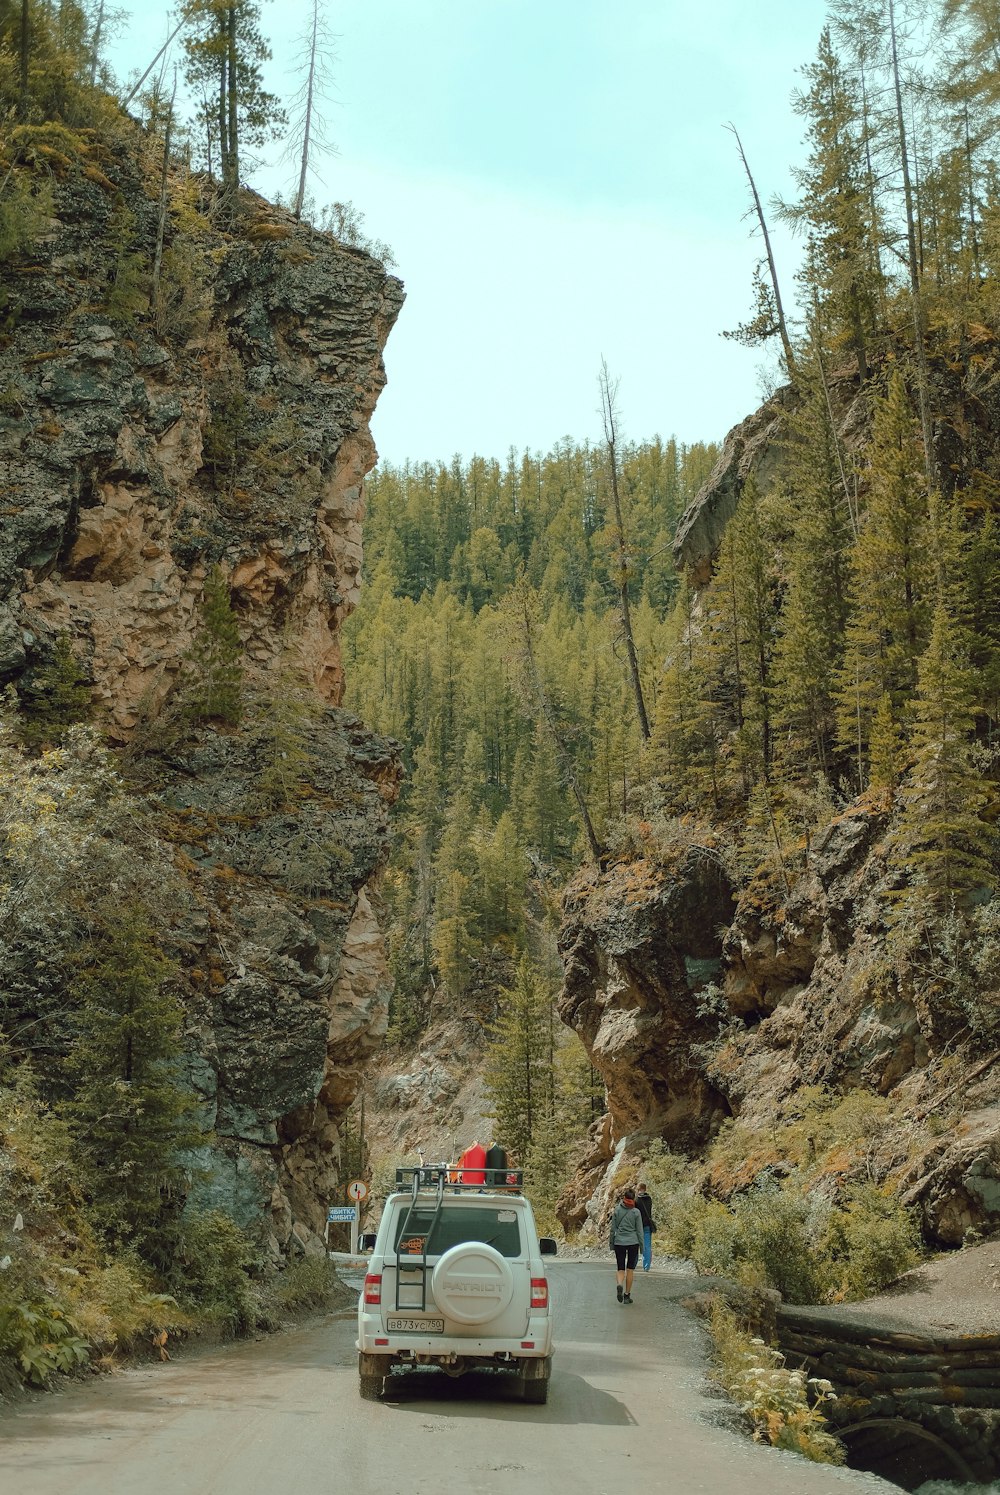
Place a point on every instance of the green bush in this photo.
(216, 1273)
(311, 1282)
(793, 1240)
(714, 1235)
(869, 1242)
(784, 1407)
(116, 1306)
(777, 1230)
(25, 209)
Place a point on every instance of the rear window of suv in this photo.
(491, 1224)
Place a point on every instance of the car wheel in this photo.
(536, 1393)
(371, 1388)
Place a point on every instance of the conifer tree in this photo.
(225, 51)
(518, 1071)
(892, 576)
(453, 935)
(683, 740)
(452, 939)
(522, 624)
(739, 643)
(942, 841)
(215, 684)
(129, 1112)
(500, 876)
(982, 574)
(53, 697)
(810, 632)
(842, 268)
(887, 748)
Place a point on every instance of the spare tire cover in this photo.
(472, 1283)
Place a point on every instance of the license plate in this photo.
(414, 1326)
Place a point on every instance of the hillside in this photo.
(193, 977)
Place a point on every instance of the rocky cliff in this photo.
(703, 990)
(156, 429)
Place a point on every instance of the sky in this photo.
(557, 186)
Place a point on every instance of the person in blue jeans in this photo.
(644, 1205)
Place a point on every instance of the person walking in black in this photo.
(644, 1205)
(626, 1242)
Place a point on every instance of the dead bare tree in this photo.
(610, 421)
(166, 45)
(308, 134)
(779, 310)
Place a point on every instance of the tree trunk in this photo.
(232, 101)
(772, 269)
(223, 109)
(164, 172)
(970, 172)
(95, 44)
(23, 53)
(609, 416)
(307, 124)
(919, 331)
(136, 86)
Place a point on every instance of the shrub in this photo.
(869, 1242)
(216, 1272)
(41, 1338)
(311, 1282)
(783, 1407)
(25, 208)
(713, 1232)
(53, 697)
(117, 1307)
(777, 1231)
(213, 686)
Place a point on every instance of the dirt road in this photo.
(627, 1411)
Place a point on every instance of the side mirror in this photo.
(367, 1241)
(547, 1245)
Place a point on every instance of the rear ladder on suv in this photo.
(416, 1284)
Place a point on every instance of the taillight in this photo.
(373, 1287)
(539, 1292)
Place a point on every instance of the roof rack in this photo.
(450, 1177)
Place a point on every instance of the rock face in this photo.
(640, 944)
(750, 447)
(222, 425)
(792, 1002)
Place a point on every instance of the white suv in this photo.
(456, 1280)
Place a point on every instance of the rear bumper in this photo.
(534, 1344)
(530, 1367)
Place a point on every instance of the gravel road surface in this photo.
(628, 1410)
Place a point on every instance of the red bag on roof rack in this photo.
(473, 1164)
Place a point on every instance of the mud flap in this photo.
(538, 1368)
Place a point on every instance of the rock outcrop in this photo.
(751, 447)
(640, 945)
(219, 425)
